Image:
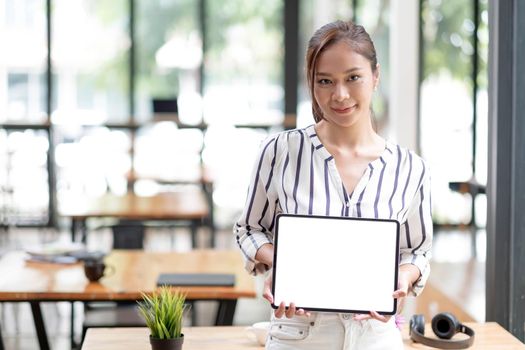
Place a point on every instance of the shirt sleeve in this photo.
(416, 234)
(255, 225)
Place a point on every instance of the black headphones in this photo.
(444, 325)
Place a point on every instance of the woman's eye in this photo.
(324, 81)
(354, 78)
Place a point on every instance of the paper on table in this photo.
(54, 252)
(55, 248)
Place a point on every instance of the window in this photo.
(90, 62)
(23, 64)
(243, 62)
(447, 105)
(89, 54)
(169, 54)
(243, 84)
(23, 177)
(91, 160)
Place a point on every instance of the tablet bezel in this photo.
(342, 310)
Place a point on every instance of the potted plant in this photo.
(163, 311)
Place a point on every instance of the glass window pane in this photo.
(91, 161)
(446, 103)
(23, 61)
(90, 46)
(168, 154)
(482, 96)
(482, 114)
(169, 55)
(229, 156)
(23, 177)
(244, 62)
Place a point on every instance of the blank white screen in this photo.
(335, 263)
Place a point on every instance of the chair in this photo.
(128, 235)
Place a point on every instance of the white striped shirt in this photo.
(294, 173)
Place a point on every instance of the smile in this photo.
(343, 110)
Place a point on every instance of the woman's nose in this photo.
(340, 93)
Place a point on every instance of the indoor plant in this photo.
(163, 311)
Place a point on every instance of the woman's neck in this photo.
(359, 137)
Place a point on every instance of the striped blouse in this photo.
(294, 173)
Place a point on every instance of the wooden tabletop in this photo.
(488, 336)
(183, 205)
(135, 271)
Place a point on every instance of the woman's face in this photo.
(343, 85)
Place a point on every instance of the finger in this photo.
(303, 312)
(379, 317)
(400, 293)
(361, 317)
(268, 296)
(291, 310)
(267, 291)
(279, 312)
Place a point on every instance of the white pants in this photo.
(332, 331)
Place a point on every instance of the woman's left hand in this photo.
(407, 275)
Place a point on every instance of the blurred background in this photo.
(150, 96)
(78, 84)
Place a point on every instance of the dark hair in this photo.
(329, 34)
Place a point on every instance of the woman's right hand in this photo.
(281, 310)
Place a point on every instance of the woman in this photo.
(339, 167)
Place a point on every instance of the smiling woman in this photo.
(339, 166)
(361, 54)
(343, 86)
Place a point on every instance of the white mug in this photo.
(260, 329)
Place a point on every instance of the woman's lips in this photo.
(344, 110)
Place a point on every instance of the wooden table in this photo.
(488, 336)
(135, 272)
(191, 206)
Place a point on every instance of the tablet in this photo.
(337, 264)
(196, 279)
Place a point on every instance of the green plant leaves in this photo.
(162, 311)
